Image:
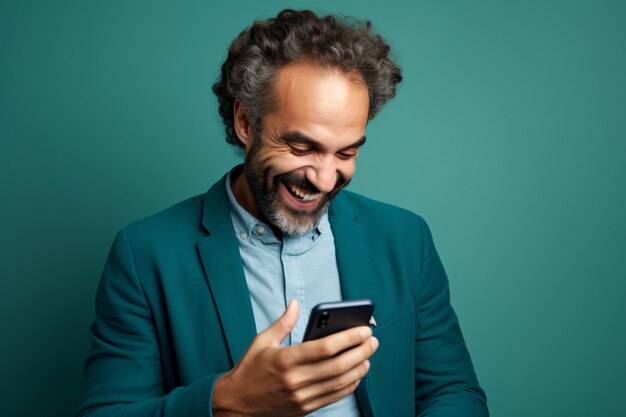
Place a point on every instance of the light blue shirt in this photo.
(298, 267)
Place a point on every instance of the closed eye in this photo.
(300, 151)
(348, 154)
(301, 145)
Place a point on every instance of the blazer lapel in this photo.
(354, 264)
(219, 253)
(353, 258)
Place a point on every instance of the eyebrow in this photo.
(299, 137)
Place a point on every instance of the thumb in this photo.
(281, 327)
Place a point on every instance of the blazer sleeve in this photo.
(445, 382)
(123, 374)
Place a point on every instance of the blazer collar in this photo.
(351, 246)
(219, 254)
(356, 273)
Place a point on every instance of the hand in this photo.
(271, 380)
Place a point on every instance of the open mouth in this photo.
(301, 194)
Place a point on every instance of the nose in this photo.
(323, 175)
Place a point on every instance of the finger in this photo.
(333, 367)
(336, 384)
(330, 398)
(282, 327)
(329, 346)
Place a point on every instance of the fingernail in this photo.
(374, 342)
(365, 333)
(367, 365)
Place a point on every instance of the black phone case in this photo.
(340, 315)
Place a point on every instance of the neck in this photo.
(245, 198)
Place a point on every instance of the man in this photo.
(201, 308)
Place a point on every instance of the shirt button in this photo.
(320, 228)
(244, 235)
(260, 230)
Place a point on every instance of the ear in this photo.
(243, 127)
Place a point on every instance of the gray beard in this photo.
(289, 221)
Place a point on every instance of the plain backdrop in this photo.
(508, 135)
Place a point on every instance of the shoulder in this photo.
(391, 230)
(179, 215)
(174, 226)
(373, 212)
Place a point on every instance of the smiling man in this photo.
(201, 308)
(306, 150)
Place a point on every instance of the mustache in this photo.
(304, 184)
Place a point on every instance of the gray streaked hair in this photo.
(256, 55)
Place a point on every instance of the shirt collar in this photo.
(247, 226)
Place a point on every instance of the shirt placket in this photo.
(294, 284)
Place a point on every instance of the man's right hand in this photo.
(271, 380)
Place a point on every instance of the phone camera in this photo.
(323, 320)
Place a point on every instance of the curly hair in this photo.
(256, 55)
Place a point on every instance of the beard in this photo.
(289, 220)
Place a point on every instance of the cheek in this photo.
(347, 169)
(272, 159)
(277, 162)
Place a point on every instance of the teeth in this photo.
(304, 196)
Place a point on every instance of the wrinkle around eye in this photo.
(300, 152)
(345, 156)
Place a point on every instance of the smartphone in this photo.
(329, 318)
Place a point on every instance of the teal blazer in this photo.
(173, 313)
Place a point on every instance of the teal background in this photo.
(508, 135)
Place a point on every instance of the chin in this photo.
(296, 223)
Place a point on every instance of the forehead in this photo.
(320, 101)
